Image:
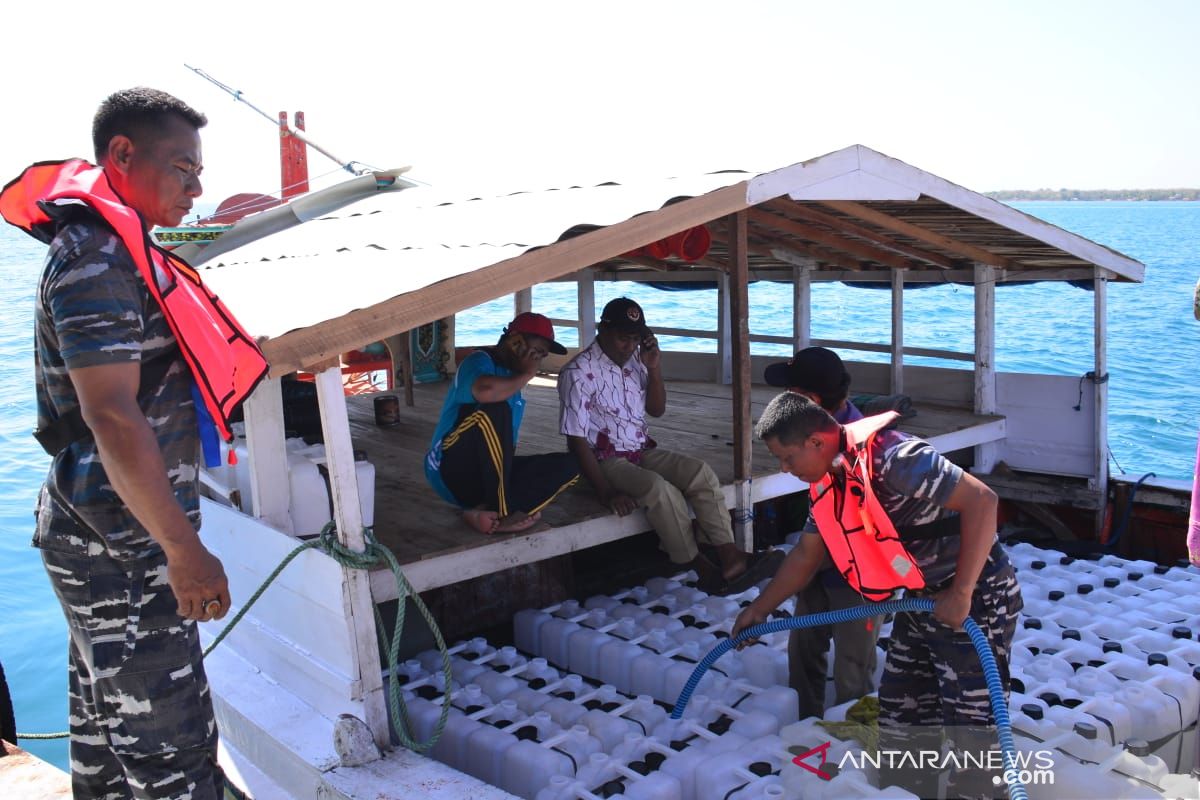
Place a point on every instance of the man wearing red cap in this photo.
(471, 462)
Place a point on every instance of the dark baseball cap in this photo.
(624, 315)
(538, 325)
(813, 369)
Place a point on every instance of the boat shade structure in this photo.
(391, 262)
(373, 269)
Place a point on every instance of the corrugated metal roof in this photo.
(392, 244)
(394, 261)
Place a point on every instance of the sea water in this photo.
(1154, 346)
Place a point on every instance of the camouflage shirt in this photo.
(93, 308)
(912, 482)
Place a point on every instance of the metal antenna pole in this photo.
(349, 166)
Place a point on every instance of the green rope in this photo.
(59, 735)
(375, 553)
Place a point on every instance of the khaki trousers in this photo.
(665, 483)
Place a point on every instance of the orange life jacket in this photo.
(225, 361)
(856, 530)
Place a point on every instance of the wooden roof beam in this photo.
(888, 222)
(828, 238)
(762, 244)
(298, 348)
(643, 261)
(876, 237)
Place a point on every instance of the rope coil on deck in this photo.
(375, 553)
(991, 672)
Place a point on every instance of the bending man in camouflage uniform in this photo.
(117, 519)
(933, 685)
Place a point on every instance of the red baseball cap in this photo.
(537, 325)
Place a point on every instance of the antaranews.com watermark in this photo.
(1030, 768)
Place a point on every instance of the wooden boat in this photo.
(385, 265)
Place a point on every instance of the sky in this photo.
(525, 95)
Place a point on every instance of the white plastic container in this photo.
(646, 675)
(553, 637)
(717, 778)
(684, 764)
(615, 657)
(528, 768)
(527, 625)
(452, 743)
(583, 645)
(655, 786)
(602, 602)
(761, 664)
(609, 729)
(497, 685)
(485, 753)
(645, 713)
(560, 787)
(310, 498)
(576, 742)
(782, 702)
(597, 770)
(565, 713)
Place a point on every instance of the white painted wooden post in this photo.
(985, 359)
(724, 331)
(586, 294)
(1100, 387)
(522, 301)
(801, 307)
(897, 331)
(743, 434)
(270, 491)
(356, 584)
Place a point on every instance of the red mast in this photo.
(293, 158)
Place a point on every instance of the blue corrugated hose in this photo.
(1016, 789)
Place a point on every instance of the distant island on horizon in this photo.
(1095, 194)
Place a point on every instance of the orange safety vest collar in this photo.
(856, 530)
(224, 359)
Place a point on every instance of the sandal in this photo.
(759, 567)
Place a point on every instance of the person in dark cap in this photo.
(471, 462)
(606, 393)
(819, 374)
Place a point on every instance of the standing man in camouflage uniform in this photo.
(117, 519)
(933, 685)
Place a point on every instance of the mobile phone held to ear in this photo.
(515, 343)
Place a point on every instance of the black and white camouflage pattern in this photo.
(933, 688)
(94, 308)
(141, 718)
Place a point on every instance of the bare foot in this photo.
(482, 520)
(517, 521)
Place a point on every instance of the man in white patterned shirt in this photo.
(606, 391)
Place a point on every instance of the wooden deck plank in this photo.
(428, 534)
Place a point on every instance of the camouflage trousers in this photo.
(141, 718)
(934, 697)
